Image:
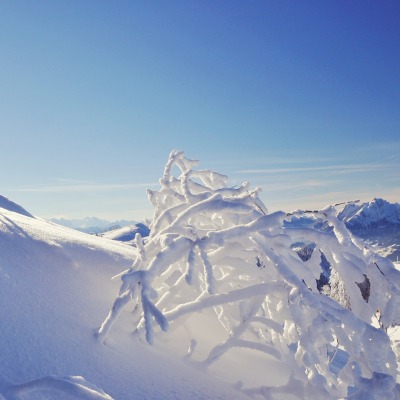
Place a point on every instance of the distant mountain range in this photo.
(376, 214)
(92, 225)
(377, 223)
(127, 233)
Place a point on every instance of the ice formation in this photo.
(215, 254)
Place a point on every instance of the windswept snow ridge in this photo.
(11, 206)
(226, 281)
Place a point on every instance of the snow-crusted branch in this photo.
(215, 250)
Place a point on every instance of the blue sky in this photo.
(299, 98)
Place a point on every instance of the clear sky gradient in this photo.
(301, 98)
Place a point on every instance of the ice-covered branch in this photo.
(294, 287)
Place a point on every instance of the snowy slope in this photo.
(11, 206)
(55, 289)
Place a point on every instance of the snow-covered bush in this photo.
(214, 252)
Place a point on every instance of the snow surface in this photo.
(55, 288)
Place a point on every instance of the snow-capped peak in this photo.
(376, 213)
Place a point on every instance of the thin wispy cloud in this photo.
(245, 159)
(394, 157)
(394, 179)
(297, 160)
(84, 188)
(298, 185)
(336, 168)
(389, 146)
(72, 181)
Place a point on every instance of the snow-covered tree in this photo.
(216, 256)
